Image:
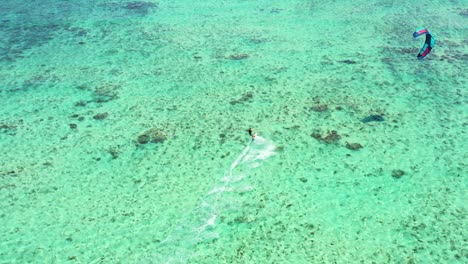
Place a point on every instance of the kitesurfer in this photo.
(252, 133)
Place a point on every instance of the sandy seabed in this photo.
(123, 132)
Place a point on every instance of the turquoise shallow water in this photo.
(123, 132)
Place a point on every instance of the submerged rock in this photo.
(114, 151)
(140, 7)
(100, 116)
(153, 135)
(239, 56)
(19, 38)
(348, 61)
(353, 146)
(397, 174)
(143, 139)
(319, 108)
(331, 137)
(246, 97)
(372, 118)
(8, 129)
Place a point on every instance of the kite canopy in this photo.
(428, 44)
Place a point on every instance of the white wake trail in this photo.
(199, 225)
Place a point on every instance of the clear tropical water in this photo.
(123, 132)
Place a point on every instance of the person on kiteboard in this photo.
(252, 133)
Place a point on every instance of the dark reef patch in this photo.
(246, 97)
(114, 151)
(140, 7)
(101, 94)
(330, 138)
(353, 146)
(397, 174)
(77, 31)
(153, 135)
(348, 61)
(8, 129)
(101, 116)
(373, 118)
(239, 56)
(463, 12)
(105, 93)
(18, 38)
(319, 108)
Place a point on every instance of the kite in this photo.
(428, 44)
